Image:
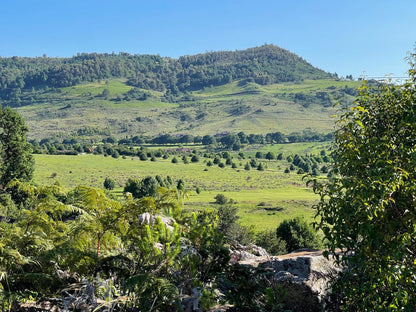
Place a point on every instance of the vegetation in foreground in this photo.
(368, 211)
(139, 253)
(147, 253)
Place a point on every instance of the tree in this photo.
(208, 139)
(16, 159)
(260, 167)
(100, 222)
(269, 241)
(259, 155)
(221, 199)
(109, 183)
(368, 210)
(270, 156)
(142, 188)
(297, 234)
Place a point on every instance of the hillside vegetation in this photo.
(258, 90)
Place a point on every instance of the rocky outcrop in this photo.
(305, 276)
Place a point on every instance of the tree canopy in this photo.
(16, 159)
(368, 210)
(264, 65)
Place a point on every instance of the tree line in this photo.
(264, 65)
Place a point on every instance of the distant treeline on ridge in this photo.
(264, 65)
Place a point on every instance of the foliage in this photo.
(297, 234)
(250, 289)
(269, 241)
(109, 183)
(368, 209)
(264, 65)
(152, 252)
(16, 159)
(142, 188)
(221, 199)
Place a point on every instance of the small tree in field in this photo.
(368, 211)
(109, 183)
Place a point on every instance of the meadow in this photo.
(264, 198)
(251, 108)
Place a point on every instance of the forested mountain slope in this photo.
(257, 90)
(266, 64)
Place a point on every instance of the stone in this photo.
(304, 275)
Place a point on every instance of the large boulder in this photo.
(305, 276)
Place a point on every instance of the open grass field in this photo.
(264, 198)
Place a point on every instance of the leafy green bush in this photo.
(297, 234)
(109, 183)
(367, 211)
(154, 253)
(269, 241)
(221, 199)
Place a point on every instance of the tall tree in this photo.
(369, 210)
(16, 159)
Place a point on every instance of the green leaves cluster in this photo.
(154, 253)
(368, 212)
(16, 159)
(297, 234)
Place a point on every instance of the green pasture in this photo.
(61, 112)
(264, 198)
(233, 88)
(114, 86)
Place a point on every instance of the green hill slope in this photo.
(258, 90)
(288, 107)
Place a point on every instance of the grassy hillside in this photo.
(257, 90)
(236, 106)
(264, 198)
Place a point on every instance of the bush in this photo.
(141, 188)
(297, 234)
(221, 199)
(269, 241)
(368, 210)
(109, 183)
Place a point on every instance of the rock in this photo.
(251, 253)
(147, 218)
(305, 276)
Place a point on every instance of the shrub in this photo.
(269, 241)
(109, 183)
(297, 234)
(367, 211)
(221, 199)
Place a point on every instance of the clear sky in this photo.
(358, 37)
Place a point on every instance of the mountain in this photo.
(255, 90)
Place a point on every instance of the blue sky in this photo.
(366, 37)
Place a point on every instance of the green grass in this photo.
(94, 89)
(61, 112)
(284, 195)
(288, 149)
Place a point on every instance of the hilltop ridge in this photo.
(257, 90)
(265, 65)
